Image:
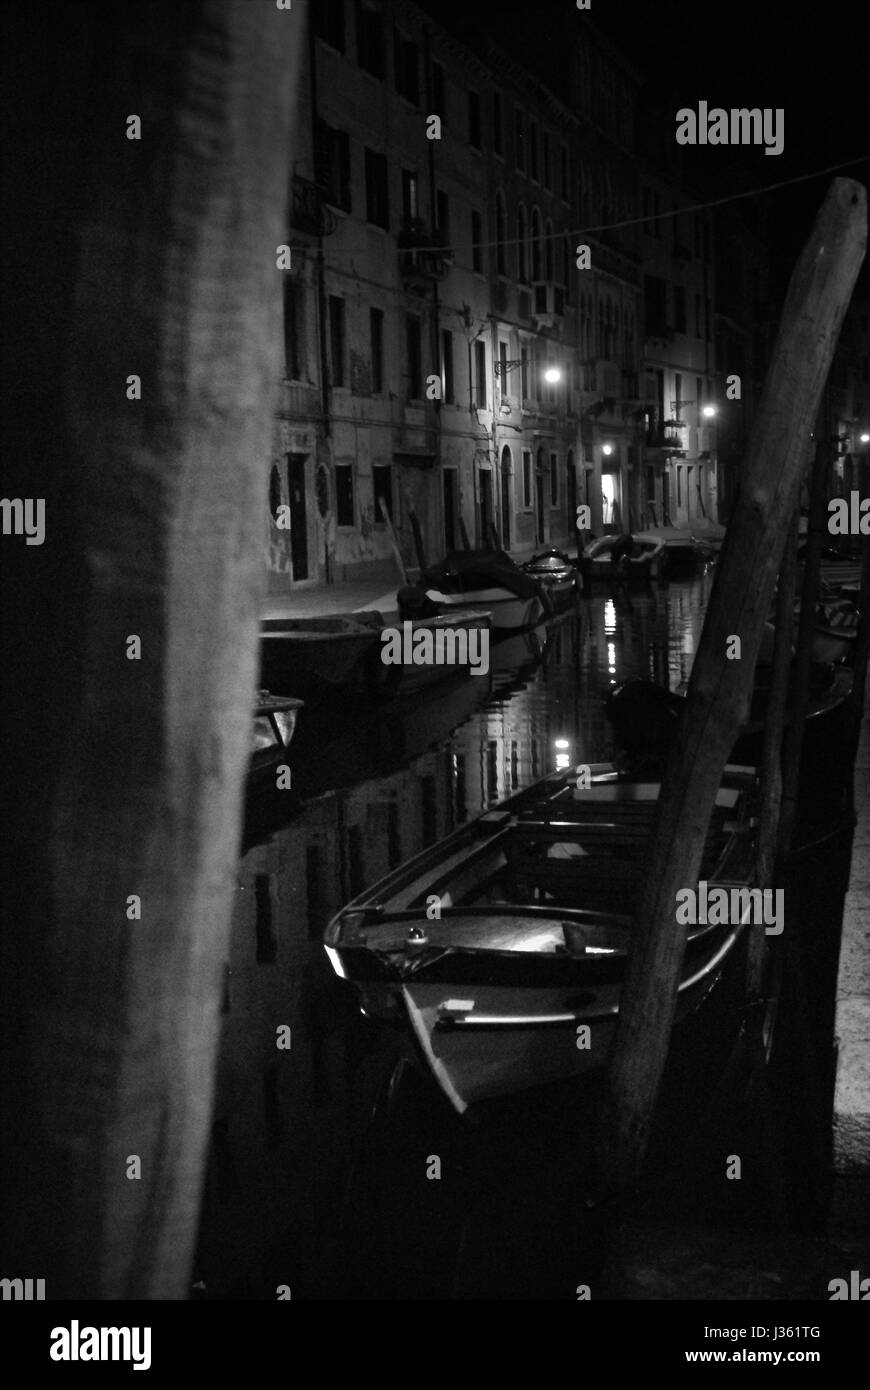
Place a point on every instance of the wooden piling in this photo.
(720, 688)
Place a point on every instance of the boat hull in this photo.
(509, 612)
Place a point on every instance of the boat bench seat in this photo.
(611, 883)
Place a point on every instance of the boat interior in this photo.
(563, 873)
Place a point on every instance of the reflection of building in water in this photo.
(284, 1118)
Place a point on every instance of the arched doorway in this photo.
(505, 477)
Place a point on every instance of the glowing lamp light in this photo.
(562, 762)
(865, 438)
(561, 743)
(607, 450)
(709, 411)
(552, 375)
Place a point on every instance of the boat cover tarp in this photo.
(463, 570)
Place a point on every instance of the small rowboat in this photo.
(486, 581)
(494, 948)
(274, 726)
(323, 656)
(835, 630)
(609, 559)
(557, 574)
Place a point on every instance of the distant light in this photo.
(865, 438)
(561, 743)
(552, 374)
(709, 411)
(608, 449)
(562, 762)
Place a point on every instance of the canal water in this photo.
(317, 1176)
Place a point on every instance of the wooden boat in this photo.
(485, 581)
(274, 726)
(600, 561)
(557, 574)
(682, 554)
(835, 630)
(346, 652)
(645, 719)
(535, 902)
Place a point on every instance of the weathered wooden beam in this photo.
(720, 689)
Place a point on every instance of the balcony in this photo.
(299, 402)
(423, 253)
(308, 210)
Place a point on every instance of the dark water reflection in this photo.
(372, 788)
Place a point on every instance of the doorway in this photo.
(539, 499)
(449, 484)
(506, 498)
(298, 515)
(485, 500)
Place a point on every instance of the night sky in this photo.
(807, 58)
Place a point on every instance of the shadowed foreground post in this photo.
(720, 689)
(154, 257)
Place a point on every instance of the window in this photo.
(679, 308)
(382, 487)
(479, 392)
(293, 328)
(533, 150)
(439, 92)
(549, 251)
(655, 300)
(377, 189)
(442, 215)
(497, 136)
(699, 332)
(696, 223)
(527, 478)
(503, 369)
(274, 492)
(329, 22)
(370, 40)
(678, 394)
(474, 132)
(407, 68)
(500, 248)
(447, 385)
(524, 372)
(336, 339)
(409, 195)
(520, 137)
(546, 164)
(414, 345)
(522, 251)
(565, 173)
(707, 317)
(537, 266)
(333, 165)
(376, 344)
(476, 242)
(344, 509)
(554, 480)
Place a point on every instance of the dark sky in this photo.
(811, 59)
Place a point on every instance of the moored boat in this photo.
(557, 574)
(363, 654)
(485, 581)
(275, 719)
(626, 559)
(495, 947)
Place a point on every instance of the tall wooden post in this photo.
(720, 688)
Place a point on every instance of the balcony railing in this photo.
(299, 402)
(423, 252)
(308, 210)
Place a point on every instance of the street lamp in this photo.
(607, 450)
(865, 438)
(709, 411)
(552, 375)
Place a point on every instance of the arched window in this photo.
(522, 239)
(537, 271)
(549, 251)
(500, 224)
